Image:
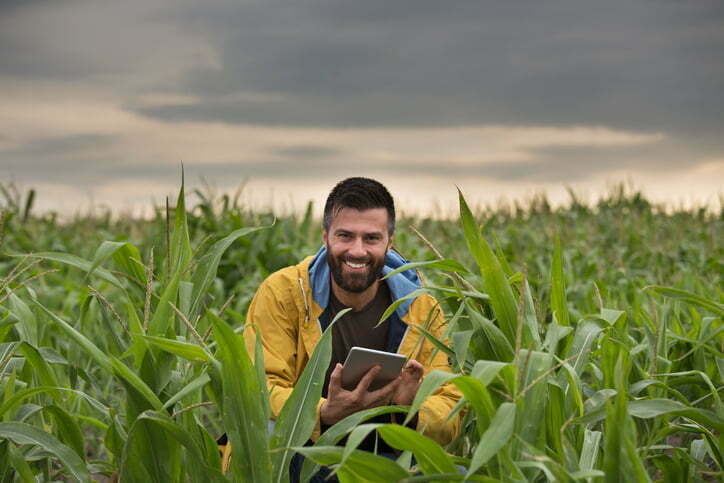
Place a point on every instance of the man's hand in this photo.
(341, 403)
(410, 379)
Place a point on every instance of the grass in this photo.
(587, 341)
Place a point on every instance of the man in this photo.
(294, 305)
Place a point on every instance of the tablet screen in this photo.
(360, 360)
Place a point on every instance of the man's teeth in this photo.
(356, 265)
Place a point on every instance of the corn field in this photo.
(586, 341)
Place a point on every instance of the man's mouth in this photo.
(355, 265)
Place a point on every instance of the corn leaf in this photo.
(496, 282)
(495, 437)
(245, 420)
(298, 417)
(360, 466)
(431, 457)
(23, 433)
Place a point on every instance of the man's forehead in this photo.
(374, 219)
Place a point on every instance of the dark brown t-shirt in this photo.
(357, 328)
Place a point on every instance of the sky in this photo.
(101, 102)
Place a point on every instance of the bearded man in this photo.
(294, 305)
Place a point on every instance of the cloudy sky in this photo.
(101, 101)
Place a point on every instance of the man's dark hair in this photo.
(360, 194)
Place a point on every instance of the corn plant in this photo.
(586, 343)
(596, 397)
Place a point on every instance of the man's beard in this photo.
(350, 281)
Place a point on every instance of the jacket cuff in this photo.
(318, 425)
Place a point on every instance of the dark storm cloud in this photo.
(65, 159)
(640, 66)
(304, 152)
(633, 65)
(73, 161)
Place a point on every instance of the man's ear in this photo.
(324, 237)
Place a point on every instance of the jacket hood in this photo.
(401, 284)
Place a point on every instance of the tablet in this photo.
(360, 360)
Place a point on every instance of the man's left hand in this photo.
(410, 379)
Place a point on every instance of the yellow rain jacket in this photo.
(289, 311)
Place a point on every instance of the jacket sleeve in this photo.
(433, 418)
(272, 314)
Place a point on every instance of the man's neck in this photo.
(356, 301)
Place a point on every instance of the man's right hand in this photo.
(341, 403)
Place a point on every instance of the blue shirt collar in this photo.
(400, 284)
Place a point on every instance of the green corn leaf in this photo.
(360, 466)
(245, 420)
(207, 272)
(461, 343)
(23, 433)
(447, 265)
(590, 449)
(186, 350)
(149, 454)
(7, 350)
(28, 325)
(340, 429)
(431, 457)
(17, 461)
(559, 305)
(393, 306)
(91, 349)
(130, 377)
(108, 363)
(430, 383)
(195, 385)
(439, 345)
(477, 395)
(496, 342)
(687, 297)
(651, 408)
(355, 438)
(180, 242)
(495, 437)
(80, 263)
(486, 371)
(67, 428)
(162, 316)
(103, 253)
(449, 477)
(128, 258)
(529, 420)
(199, 468)
(298, 417)
(41, 369)
(529, 316)
(116, 437)
(13, 400)
(585, 335)
(496, 283)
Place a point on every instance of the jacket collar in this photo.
(401, 284)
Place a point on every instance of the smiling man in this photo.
(294, 305)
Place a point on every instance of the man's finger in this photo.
(385, 392)
(367, 379)
(335, 380)
(415, 369)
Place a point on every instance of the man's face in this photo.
(357, 242)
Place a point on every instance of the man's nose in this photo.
(357, 249)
